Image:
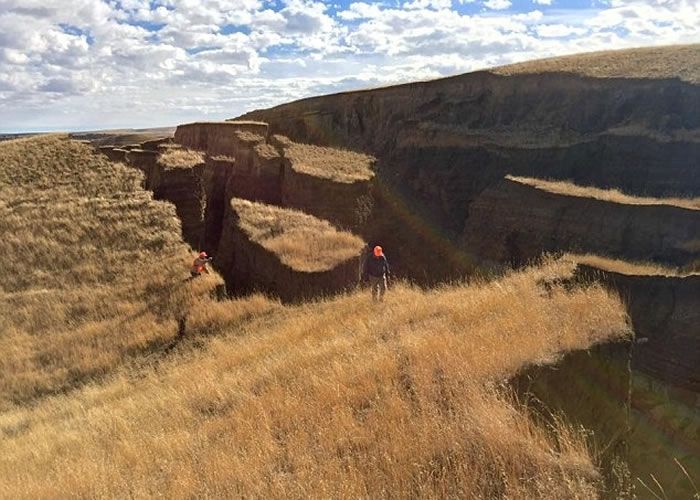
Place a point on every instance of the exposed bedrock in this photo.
(183, 188)
(216, 138)
(114, 153)
(215, 175)
(665, 312)
(336, 185)
(154, 144)
(512, 222)
(446, 179)
(180, 186)
(145, 161)
(634, 418)
(348, 205)
(257, 170)
(440, 143)
(527, 109)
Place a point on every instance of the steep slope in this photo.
(335, 399)
(519, 218)
(96, 272)
(610, 121)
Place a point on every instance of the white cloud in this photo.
(153, 62)
(558, 30)
(428, 4)
(498, 4)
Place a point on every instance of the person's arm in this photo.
(387, 271)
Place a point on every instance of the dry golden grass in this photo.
(299, 240)
(266, 151)
(180, 158)
(249, 137)
(338, 399)
(675, 61)
(96, 267)
(223, 158)
(626, 267)
(612, 195)
(343, 398)
(47, 163)
(329, 163)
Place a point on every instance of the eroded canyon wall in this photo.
(440, 143)
(512, 223)
(665, 314)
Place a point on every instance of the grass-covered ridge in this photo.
(611, 195)
(673, 61)
(96, 267)
(173, 157)
(631, 268)
(336, 164)
(300, 241)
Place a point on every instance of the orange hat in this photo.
(378, 251)
(203, 255)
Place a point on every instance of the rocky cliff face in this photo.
(664, 312)
(513, 222)
(215, 176)
(182, 187)
(257, 170)
(114, 153)
(633, 416)
(216, 138)
(242, 162)
(440, 143)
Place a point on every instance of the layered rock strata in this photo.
(634, 417)
(514, 222)
(114, 153)
(216, 138)
(442, 142)
(665, 314)
(243, 163)
(181, 185)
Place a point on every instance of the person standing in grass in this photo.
(376, 270)
(200, 265)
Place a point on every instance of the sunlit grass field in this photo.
(120, 379)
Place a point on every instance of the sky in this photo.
(97, 64)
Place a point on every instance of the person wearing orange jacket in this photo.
(200, 265)
(376, 269)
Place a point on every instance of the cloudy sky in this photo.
(88, 64)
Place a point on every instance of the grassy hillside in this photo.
(673, 61)
(94, 271)
(341, 398)
(338, 399)
(331, 163)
